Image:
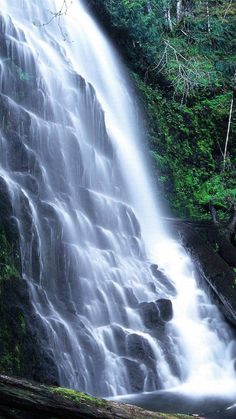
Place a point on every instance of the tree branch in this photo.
(57, 15)
(228, 131)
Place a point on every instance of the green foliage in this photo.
(216, 190)
(19, 353)
(8, 269)
(12, 351)
(11, 347)
(184, 74)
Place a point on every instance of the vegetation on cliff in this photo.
(10, 346)
(182, 55)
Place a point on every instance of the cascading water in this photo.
(73, 169)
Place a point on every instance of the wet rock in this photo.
(22, 352)
(139, 348)
(13, 118)
(216, 272)
(150, 314)
(136, 375)
(130, 296)
(152, 287)
(119, 336)
(152, 381)
(228, 252)
(155, 270)
(203, 241)
(155, 314)
(7, 221)
(165, 308)
(163, 279)
(5, 202)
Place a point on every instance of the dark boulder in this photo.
(141, 351)
(213, 262)
(150, 314)
(119, 336)
(227, 251)
(136, 375)
(156, 313)
(166, 310)
(139, 348)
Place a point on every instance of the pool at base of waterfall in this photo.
(207, 407)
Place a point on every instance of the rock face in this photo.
(150, 314)
(155, 313)
(26, 400)
(157, 273)
(20, 350)
(215, 261)
(165, 308)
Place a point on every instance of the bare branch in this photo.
(188, 76)
(228, 131)
(228, 7)
(66, 4)
(208, 17)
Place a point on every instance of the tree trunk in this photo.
(228, 230)
(214, 215)
(179, 10)
(208, 17)
(228, 131)
(148, 6)
(168, 18)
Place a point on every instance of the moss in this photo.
(186, 142)
(8, 256)
(173, 416)
(187, 129)
(79, 398)
(76, 396)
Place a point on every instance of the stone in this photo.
(130, 296)
(150, 314)
(138, 347)
(202, 241)
(136, 375)
(163, 279)
(228, 252)
(165, 308)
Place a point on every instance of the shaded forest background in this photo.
(182, 57)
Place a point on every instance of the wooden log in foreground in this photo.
(21, 399)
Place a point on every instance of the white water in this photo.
(77, 194)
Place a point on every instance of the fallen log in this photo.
(21, 399)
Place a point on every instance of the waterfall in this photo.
(90, 231)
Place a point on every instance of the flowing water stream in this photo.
(72, 163)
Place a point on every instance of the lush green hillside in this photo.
(182, 55)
